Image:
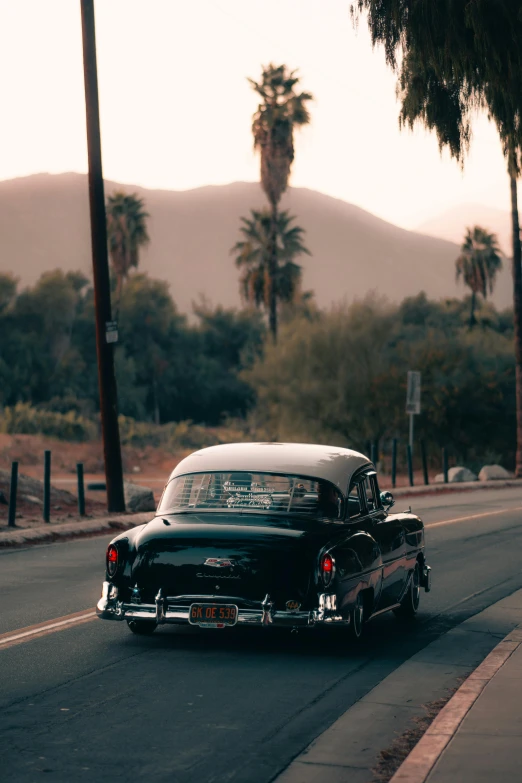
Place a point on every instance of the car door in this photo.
(389, 533)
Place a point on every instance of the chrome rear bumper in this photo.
(166, 610)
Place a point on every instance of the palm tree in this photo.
(478, 264)
(126, 234)
(254, 254)
(281, 110)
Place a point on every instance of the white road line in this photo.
(45, 628)
(472, 516)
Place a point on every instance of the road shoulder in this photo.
(66, 531)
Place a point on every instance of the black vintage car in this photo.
(268, 534)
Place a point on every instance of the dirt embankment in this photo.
(147, 466)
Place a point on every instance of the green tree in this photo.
(478, 264)
(454, 58)
(126, 233)
(341, 379)
(281, 110)
(254, 255)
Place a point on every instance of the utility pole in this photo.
(100, 265)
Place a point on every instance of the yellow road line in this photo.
(42, 629)
(472, 516)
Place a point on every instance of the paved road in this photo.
(184, 705)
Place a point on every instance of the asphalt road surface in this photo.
(89, 701)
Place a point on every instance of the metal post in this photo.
(11, 520)
(411, 432)
(394, 463)
(445, 464)
(374, 453)
(81, 489)
(424, 462)
(410, 465)
(47, 487)
(100, 263)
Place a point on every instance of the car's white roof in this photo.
(330, 463)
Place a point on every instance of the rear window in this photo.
(238, 491)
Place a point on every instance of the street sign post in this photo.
(413, 399)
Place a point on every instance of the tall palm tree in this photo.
(126, 234)
(281, 110)
(254, 254)
(478, 264)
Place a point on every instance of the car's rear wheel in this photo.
(410, 603)
(355, 628)
(142, 627)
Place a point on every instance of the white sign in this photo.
(111, 331)
(413, 393)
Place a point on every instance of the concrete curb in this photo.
(420, 762)
(463, 486)
(69, 530)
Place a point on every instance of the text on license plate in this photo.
(213, 615)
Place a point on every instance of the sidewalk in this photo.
(488, 742)
(477, 737)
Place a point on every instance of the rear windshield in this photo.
(253, 492)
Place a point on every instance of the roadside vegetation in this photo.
(335, 376)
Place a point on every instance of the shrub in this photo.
(23, 419)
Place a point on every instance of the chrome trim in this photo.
(267, 607)
(160, 608)
(383, 611)
(167, 610)
(327, 611)
(108, 607)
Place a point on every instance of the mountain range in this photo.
(44, 224)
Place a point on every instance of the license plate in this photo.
(213, 615)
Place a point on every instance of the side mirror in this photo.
(387, 499)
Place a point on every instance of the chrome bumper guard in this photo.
(165, 610)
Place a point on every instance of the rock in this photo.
(32, 499)
(136, 469)
(460, 474)
(31, 489)
(455, 475)
(138, 498)
(494, 472)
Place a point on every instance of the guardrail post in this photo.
(11, 519)
(445, 464)
(424, 463)
(410, 465)
(47, 487)
(373, 455)
(394, 463)
(81, 489)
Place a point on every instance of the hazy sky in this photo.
(176, 107)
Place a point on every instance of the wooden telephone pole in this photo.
(100, 265)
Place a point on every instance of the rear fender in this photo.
(358, 564)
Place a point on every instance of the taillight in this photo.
(327, 569)
(112, 560)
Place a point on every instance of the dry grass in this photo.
(391, 758)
